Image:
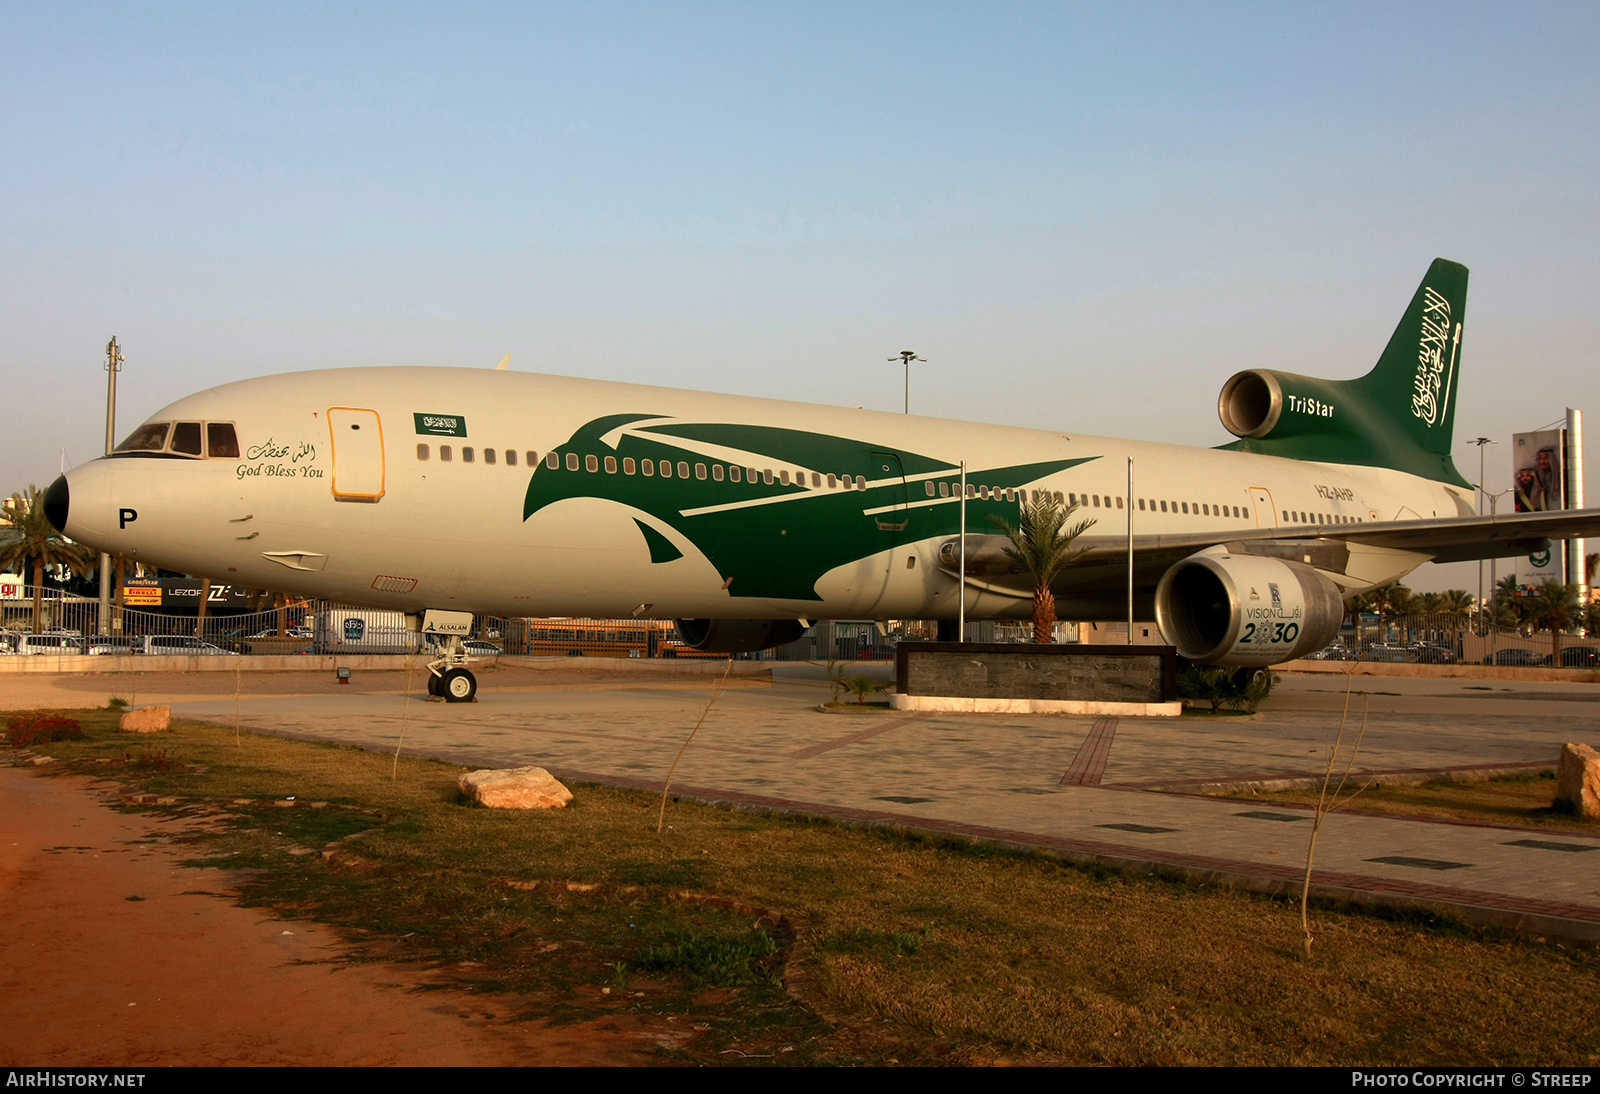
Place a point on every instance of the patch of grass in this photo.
(719, 959)
(1527, 799)
(923, 949)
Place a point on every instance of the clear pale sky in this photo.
(1085, 217)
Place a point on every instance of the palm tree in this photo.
(26, 536)
(1041, 547)
(1553, 606)
(1506, 607)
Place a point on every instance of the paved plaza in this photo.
(1079, 787)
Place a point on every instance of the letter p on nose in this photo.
(126, 517)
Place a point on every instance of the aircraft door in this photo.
(888, 470)
(356, 452)
(1266, 514)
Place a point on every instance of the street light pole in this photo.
(908, 356)
(1482, 492)
(112, 366)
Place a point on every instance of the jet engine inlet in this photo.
(737, 635)
(1250, 403)
(1243, 611)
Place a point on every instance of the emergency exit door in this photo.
(1266, 515)
(357, 453)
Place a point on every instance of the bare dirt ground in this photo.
(114, 954)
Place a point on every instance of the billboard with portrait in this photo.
(1537, 486)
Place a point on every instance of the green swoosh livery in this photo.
(772, 539)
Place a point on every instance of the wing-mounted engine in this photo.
(1245, 611)
(737, 635)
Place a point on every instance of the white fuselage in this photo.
(352, 516)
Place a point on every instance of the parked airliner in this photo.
(444, 492)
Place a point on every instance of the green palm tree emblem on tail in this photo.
(757, 500)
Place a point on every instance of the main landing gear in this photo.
(448, 675)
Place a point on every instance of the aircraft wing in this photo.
(1328, 547)
(1443, 539)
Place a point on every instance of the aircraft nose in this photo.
(56, 501)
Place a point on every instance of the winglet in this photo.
(504, 361)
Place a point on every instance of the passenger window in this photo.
(861, 483)
(1163, 507)
(716, 472)
(533, 458)
(466, 454)
(944, 490)
(628, 465)
(816, 480)
(929, 487)
(552, 461)
(648, 467)
(591, 463)
(1097, 501)
(1119, 503)
(734, 474)
(488, 456)
(511, 457)
(611, 465)
(422, 452)
(444, 453)
(666, 469)
(783, 478)
(151, 437)
(221, 441)
(766, 476)
(683, 470)
(700, 471)
(186, 438)
(572, 461)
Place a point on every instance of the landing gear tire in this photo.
(459, 686)
(434, 684)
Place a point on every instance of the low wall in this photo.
(1038, 673)
(1442, 672)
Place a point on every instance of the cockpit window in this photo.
(150, 437)
(221, 441)
(186, 438)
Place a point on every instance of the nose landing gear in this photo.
(448, 676)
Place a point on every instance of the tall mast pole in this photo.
(113, 364)
(961, 617)
(1130, 550)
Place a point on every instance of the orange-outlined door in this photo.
(1266, 515)
(357, 451)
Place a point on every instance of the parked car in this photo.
(181, 645)
(1580, 657)
(102, 644)
(1431, 653)
(1335, 652)
(1518, 656)
(475, 647)
(48, 645)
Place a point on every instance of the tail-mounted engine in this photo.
(1243, 611)
(737, 635)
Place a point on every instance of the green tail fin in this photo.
(1401, 415)
(1415, 379)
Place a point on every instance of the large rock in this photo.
(515, 788)
(146, 720)
(1578, 780)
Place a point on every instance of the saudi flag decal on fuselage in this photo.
(757, 500)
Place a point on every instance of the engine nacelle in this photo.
(737, 635)
(1244, 611)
